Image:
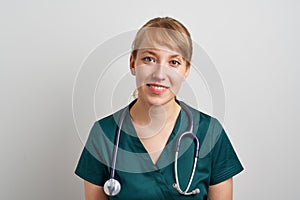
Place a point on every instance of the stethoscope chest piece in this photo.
(112, 187)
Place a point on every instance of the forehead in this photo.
(160, 50)
(162, 39)
(175, 40)
(157, 38)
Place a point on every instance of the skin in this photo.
(221, 191)
(155, 112)
(93, 192)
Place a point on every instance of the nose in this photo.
(159, 73)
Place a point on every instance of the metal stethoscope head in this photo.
(112, 187)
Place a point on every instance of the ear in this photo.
(131, 65)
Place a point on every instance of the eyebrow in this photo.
(149, 52)
(155, 54)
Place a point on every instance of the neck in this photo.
(144, 115)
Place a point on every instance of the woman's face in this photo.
(159, 74)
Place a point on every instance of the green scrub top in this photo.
(140, 178)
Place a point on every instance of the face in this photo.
(159, 74)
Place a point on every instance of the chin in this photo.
(158, 101)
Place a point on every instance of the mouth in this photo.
(157, 88)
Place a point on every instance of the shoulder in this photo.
(105, 126)
(207, 127)
(110, 120)
(202, 116)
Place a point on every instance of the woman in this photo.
(144, 163)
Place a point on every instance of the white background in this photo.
(253, 44)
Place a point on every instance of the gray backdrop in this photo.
(253, 44)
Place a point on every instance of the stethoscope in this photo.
(112, 187)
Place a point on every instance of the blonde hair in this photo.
(164, 31)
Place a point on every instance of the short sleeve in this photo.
(225, 162)
(89, 167)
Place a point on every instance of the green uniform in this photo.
(140, 178)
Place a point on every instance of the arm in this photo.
(93, 192)
(221, 191)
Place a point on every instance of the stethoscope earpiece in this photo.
(196, 191)
(193, 192)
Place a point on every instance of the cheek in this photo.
(142, 74)
(176, 79)
(176, 84)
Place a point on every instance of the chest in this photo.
(154, 140)
(148, 172)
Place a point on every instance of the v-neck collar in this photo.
(167, 155)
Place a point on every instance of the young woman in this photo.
(131, 153)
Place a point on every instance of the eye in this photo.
(148, 59)
(175, 62)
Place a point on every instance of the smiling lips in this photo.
(156, 88)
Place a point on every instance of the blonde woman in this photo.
(131, 153)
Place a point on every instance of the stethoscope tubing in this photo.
(112, 187)
(176, 185)
(116, 143)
